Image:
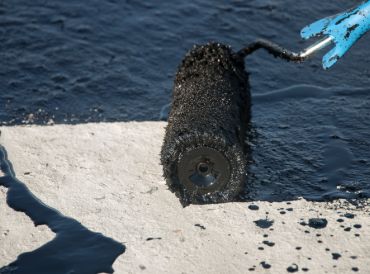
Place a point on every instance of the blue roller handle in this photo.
(344, 29)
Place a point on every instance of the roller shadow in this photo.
(75, 249)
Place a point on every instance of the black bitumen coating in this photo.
(210, 108)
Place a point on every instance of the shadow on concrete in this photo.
(75, 249)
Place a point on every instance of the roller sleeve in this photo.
(203, 153)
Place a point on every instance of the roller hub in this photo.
(203, 170)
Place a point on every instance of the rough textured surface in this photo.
(210, 108)
(108, 177)
(73, 244)
(18, 233)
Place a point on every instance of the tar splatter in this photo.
(336, 256)
(200, 226)
(264, 223)
(317, 223)
(293, 268)
(349, 215)
(153, 238)
(253, 207)
(268, 243)
(265, 265)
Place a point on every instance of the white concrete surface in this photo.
(108, 177)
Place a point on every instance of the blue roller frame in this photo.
(344, 29)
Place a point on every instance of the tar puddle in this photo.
(75, 249)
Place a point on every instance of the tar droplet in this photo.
(268, 243)
(340, 220)
(355, 269)
(336, 256)
(264, 223)
(358, 226)
(253, 207)
(305, 269)
(293, 268)
(347, 229)
(349, 215)
(265, 265)
(317, 223)
(298, 248)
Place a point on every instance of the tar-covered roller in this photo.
(203, 154)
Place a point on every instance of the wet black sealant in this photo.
(74, 249)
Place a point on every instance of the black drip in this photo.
(75, 249)
(203, 152)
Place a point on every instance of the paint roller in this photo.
(204, 153)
